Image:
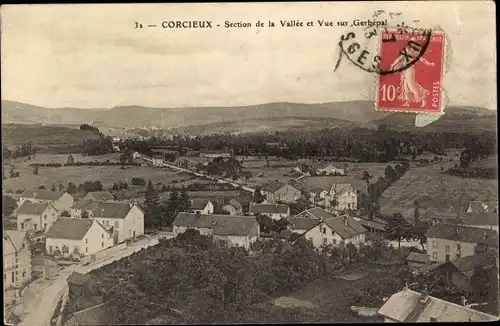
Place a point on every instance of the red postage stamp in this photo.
(415, 66)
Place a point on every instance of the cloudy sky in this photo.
(91, 56)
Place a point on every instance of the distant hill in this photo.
(237, 119)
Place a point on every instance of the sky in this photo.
(91, 56)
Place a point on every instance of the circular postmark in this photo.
(370, 51)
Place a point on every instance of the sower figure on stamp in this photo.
(410, 90)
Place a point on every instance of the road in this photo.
(41, 298)
(219, 180)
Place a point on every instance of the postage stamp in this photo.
(416, 63)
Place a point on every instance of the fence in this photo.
(103, 254)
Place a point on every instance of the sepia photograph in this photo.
(249, 163)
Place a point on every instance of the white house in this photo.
(280, 192)
(202, 206)
(330, 170)
(62, 201)
(274, 211)
(126, 220)
(35, 216)
(85, 236)
(99, 196)
(239, 231)
(335, 231)
(344, 196)
(16, 259)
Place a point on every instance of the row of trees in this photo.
(85, 187)
(20, 151)
(366, 145)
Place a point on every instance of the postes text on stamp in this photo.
(418, 86)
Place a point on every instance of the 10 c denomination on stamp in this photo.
(418, 87)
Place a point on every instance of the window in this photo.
(459, 256)
(50, 249)
(24, 273)
(334, 241)
(24, 245)
(86, 240)
(102, 236)
(434, 244)
(333, 232)
(45, 217)
(102, 244)
(116, 224)
(324, 230)
(86, 249)
(434, 255)
(447, 248)
(325, 241)
(459, 247)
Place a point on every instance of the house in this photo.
(460, 271)
(344, 196)
(157, 162)
(408, 306)
(301, 225)
(447, 242)
(215, 154)
(318, 195)
(62, 201)
(202, 206)
(16, 259)
(479, 214)
(335, 231)
(233, 208)
(228, 230)
(82, 205)
(317, 213)
(415, 260)
(280, 192)
(35, 216)
(125, 219)
(81, 284)
(374, 226)
(80, 235)
(274, 211)
(482, 207)
(330, 170)
(99, 196)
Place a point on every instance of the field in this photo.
(439, 194)
(43, 136)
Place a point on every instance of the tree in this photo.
(396, 227)
(184, 202)
(42, 187)
(390, 174)
(71, 159)
(35, 169)
(53, 187)
(257, 195)
(416, 211)
(85, 214)
(125, 157)
(366, 176)
(172, 206)
(9, 205)
(152, 209)
(481, 284)
(65, 214)
(71, 188)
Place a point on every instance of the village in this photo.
(58, 237)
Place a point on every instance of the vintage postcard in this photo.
(224, 163)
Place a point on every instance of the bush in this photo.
(138, 182)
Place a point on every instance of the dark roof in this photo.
(483, 207)
(468, 263)
(111, 210)
(239, 226)
(273, 186)
(418, 257)
(221, 224)
(295, 174)
(69, 228)
(480, 218)
(199, 203)
(269, 209)
(31, 208)
(346, 226)
(463, 234)
(297, 223)
(43, 194)
(101, 195)
(78, 278)
(235, 204)
(377, 224)
(85, 203)
(404, 306)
